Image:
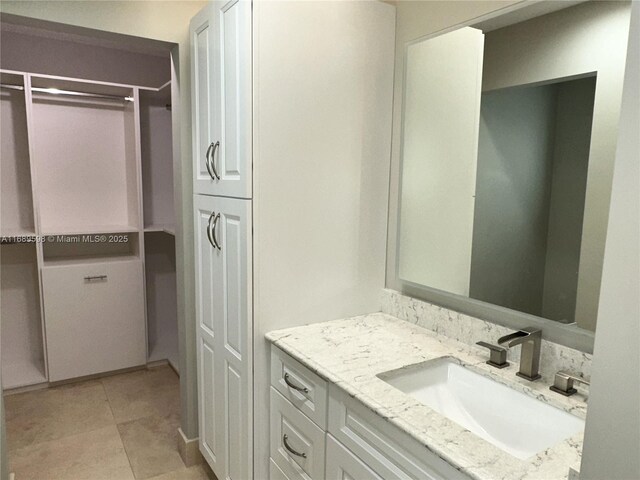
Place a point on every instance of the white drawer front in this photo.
(341, 464)
(274, 471)
(306, 390)
(291, 431)
(94, 317)
(386, 449)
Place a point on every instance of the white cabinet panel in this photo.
(221, 85)
(386, 449)
(341, 464)
(306, 390)
(224, 327)
(201, 35)
(94, 317)
(297, 444)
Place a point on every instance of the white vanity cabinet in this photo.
(221, 89)
(356, 443)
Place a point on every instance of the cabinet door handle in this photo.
(213, 231)
(209, 229)
(291, 450)
(207, 161)
(293, 385)
(216, 147)
(210, 160)
(95, 277)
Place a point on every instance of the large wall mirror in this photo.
(509, 130)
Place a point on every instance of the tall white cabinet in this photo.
(221, 88)
(291, 121)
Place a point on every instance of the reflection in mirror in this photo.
(508, 143)
(533, 156)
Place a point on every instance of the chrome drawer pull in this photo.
(213, 231)
(95, 277)
(291, 450)
(216, 146)
(293, 385)
(209, 162)
(209, 229)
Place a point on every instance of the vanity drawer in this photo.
(386, 449)
(342, 464)
(274, 471)
(306, 390)
(292, 431)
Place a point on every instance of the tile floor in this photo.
(122, 427)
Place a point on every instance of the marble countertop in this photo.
(350, 353)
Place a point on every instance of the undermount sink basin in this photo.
(513, 421)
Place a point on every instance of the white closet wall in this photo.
(162, 327)
(22, 346)
(17, 202)
(159, 224)
(85, 156)
(157, 160)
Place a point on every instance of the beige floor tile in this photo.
(199, 472)
(151, 445)
(45, 415)
(95, 455)
(143, 393)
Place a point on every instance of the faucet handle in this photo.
(563, 383)
(497, 355)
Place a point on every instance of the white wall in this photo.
(166, 21)
(29, 52)
(590, 37)
(322, 137)
(612, 435)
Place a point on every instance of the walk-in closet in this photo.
(88, 264)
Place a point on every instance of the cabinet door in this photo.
(221, 76)
(341, 464)
(224, 325)
(94, 317)
(202, 85)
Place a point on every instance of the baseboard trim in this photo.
(189, 449)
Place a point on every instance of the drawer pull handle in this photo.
(293, 385)
(291, 450)
(209, 161)
(211, 230)
(95, 277)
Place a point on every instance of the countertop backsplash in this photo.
(469, 330)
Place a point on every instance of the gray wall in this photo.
(533, 158)
(515, 161)
(612, 436)
(568, 189)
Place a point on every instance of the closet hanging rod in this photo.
(57, 91)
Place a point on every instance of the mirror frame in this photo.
(569, 335)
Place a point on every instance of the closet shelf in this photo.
(91, 230)
(166, 228)
(18, 232)
(87, 260)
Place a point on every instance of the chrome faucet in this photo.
(531, 341)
